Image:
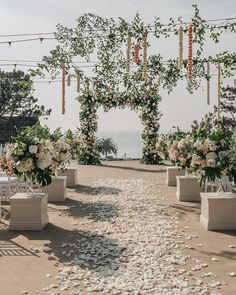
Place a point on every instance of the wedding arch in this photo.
(125, 75)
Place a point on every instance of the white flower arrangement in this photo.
(32, 156)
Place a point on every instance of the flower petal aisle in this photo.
(135, 245)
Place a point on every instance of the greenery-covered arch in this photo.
(116, 81)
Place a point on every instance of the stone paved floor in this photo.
(121, 231)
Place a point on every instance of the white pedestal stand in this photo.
(72, 175)
(56, 190)
(218, 211)
(188, 188)
(171, 173)
(28, 211)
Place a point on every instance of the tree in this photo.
(228, 106)
(16, 99)
(228, 111)
(106, 146)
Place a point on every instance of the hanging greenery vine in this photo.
(118, 81)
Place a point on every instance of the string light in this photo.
(54, 38)
(53, 33)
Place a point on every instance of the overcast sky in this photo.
(179, 108)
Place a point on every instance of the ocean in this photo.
(128, 142)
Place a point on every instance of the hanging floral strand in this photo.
(218, 92)
(63, 89)
(180, 47)
(95, 89)
(136, 53)
(190, 52)
(145, 56)
(87, 86)
(128, 54)
(78, 82)
(208, 83)
(68, 80)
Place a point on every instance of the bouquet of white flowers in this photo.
(33, 155)
(62, 153)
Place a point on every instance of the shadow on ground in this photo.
(85, 249)
(94, 191)
(188, 208)
(98, 211)
(231, 255)
(11, 248)
(158, 170)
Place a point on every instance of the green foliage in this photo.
(16, 97)
(33, 132)
(111, 86)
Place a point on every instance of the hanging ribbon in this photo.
(145, 56)
(190, 52)
(208, 83)
(180, 47)
(78, 82)
(218, 92)
(63, 80)
(128, 54)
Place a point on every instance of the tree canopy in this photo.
(16, 96)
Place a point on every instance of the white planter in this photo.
(171, 173)
(28, 212)
(218, 211)
(56, 191)
(188, 188)
(72, 175)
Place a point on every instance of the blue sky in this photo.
(179, 108)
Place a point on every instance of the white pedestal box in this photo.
(28, 211)
(56, 190)
(188, 188)
(171, 173)
(218, 211)
(72, 175)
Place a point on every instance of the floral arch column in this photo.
(88, 128)
(150, 117)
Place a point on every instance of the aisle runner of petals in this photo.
(134, 248)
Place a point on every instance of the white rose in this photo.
(33, 149)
